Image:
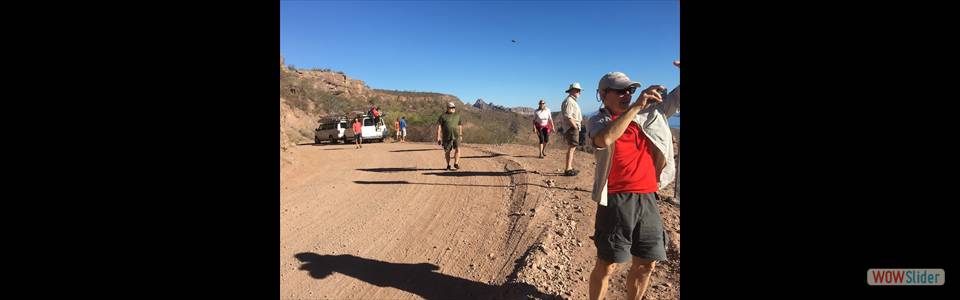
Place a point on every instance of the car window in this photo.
(367, 122)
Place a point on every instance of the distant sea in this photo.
(674, 121)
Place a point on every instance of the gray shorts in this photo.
(630, 224)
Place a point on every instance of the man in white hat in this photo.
(449, 134)
(634, 152)
(571, 120)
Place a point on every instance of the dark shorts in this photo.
(630, 224)
(544, 135)
(572, 136)
(357, 137)
(451, 144)
(583, 133)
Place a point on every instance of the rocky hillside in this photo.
(318, 92)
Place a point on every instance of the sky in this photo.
(464, 48)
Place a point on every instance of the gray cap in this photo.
(617, 81)
(451, 105)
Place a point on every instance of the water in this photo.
(674, 121)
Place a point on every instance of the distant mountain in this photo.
(523, 110)
(483, 105)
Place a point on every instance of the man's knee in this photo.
(604, 267)
(642, 265)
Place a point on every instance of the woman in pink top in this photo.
(542, 125)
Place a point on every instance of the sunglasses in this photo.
(630, 90)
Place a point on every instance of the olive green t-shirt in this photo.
(448, 126)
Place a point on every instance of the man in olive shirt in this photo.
(449, 134)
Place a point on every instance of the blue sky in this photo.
(464, 48)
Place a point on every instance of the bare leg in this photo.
(447, 154)
(639, 277)
(600, 278)
(457, 158)
(570, 157)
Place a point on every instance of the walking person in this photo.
(543, 125)
(449, 134)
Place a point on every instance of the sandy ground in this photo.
(387, 222)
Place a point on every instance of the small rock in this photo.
(491, 255)
(448, 248)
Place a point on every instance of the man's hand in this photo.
(649, 95)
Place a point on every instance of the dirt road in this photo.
(387, 222)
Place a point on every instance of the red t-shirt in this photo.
(356, 127)
(632, 170)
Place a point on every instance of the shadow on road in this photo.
(420, 279)
(392, 170)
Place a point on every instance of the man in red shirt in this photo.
(375, 111)
(357, 129)
(632, 165)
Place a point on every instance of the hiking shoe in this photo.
(456, 166)
(449, 168)
(571, 172)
